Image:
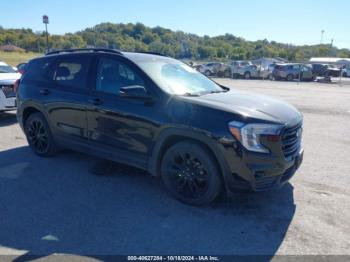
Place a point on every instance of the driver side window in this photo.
(113, 75)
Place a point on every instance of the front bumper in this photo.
(260, 174)
(244, 169)
(267, 180)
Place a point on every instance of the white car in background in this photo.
(8, 78)
(215, 69)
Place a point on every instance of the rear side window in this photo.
(72, 72)
(37, 70)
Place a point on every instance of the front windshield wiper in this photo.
(214, 92)
(190, 94)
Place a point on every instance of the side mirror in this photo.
(135, 91)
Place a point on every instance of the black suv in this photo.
(160, 115)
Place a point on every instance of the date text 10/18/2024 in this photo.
(173, 258)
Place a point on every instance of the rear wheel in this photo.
(207, 73)
(191, 174)
(247, 75)
(39, 136)
(227, 73)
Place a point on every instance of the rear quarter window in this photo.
(37, 70)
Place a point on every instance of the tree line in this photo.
(138, 37)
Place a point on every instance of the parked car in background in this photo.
(266, 73)
(325, 70)
(158, 114)
(290, 72)
(238, 66)
(248, 71)
(8, 78)
(215, 69)
(346, 72)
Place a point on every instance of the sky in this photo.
(287, 21)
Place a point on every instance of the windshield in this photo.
(6, 69)
(176, 77)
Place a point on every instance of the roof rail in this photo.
(151, 53)
(107, 50)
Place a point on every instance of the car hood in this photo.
(251, 105)
(10, 76)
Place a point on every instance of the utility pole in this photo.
(46, 21)
(330, 49)
(321, 41)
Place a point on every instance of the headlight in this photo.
(249, 135)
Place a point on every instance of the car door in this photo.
(296, 71)
(306, 73)
(117, 123)
(66, 96)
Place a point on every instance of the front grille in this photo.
(291, 139)
(8, 91)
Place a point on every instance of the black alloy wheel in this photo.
(39, 136)
(190, 174)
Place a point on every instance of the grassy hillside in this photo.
(138, 37)
(14, 58)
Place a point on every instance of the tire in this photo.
(270, 77)
(247, 75)
(39, 136)
(289, 77)
(227, 73)
(191, 174)
(207, 73)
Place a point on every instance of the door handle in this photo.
(44, 91)
(95, 101)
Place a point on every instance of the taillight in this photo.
(16, 85)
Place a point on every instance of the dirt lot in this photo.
(76, 204)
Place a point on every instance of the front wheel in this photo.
(289, 77)
(207, 73)
(191, 174)
(39, 136)
(247, 75)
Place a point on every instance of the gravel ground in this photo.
(84, 206)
